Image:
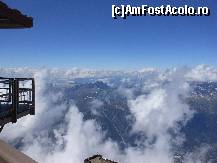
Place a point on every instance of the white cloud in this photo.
(75, 139)
(202, 73)
(95, 105)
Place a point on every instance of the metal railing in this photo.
(17, 99)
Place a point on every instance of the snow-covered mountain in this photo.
(155, 116)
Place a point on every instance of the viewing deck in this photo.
(17, 99)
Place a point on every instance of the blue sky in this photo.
(83, 34)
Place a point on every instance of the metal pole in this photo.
(32, 111)
(15, 100)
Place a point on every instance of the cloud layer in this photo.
(58, 132)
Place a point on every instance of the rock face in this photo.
(97, 159)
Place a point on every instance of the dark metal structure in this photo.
(17, 99)
(12, 18)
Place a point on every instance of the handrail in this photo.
(8, 154)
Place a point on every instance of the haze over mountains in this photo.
(139, 116)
